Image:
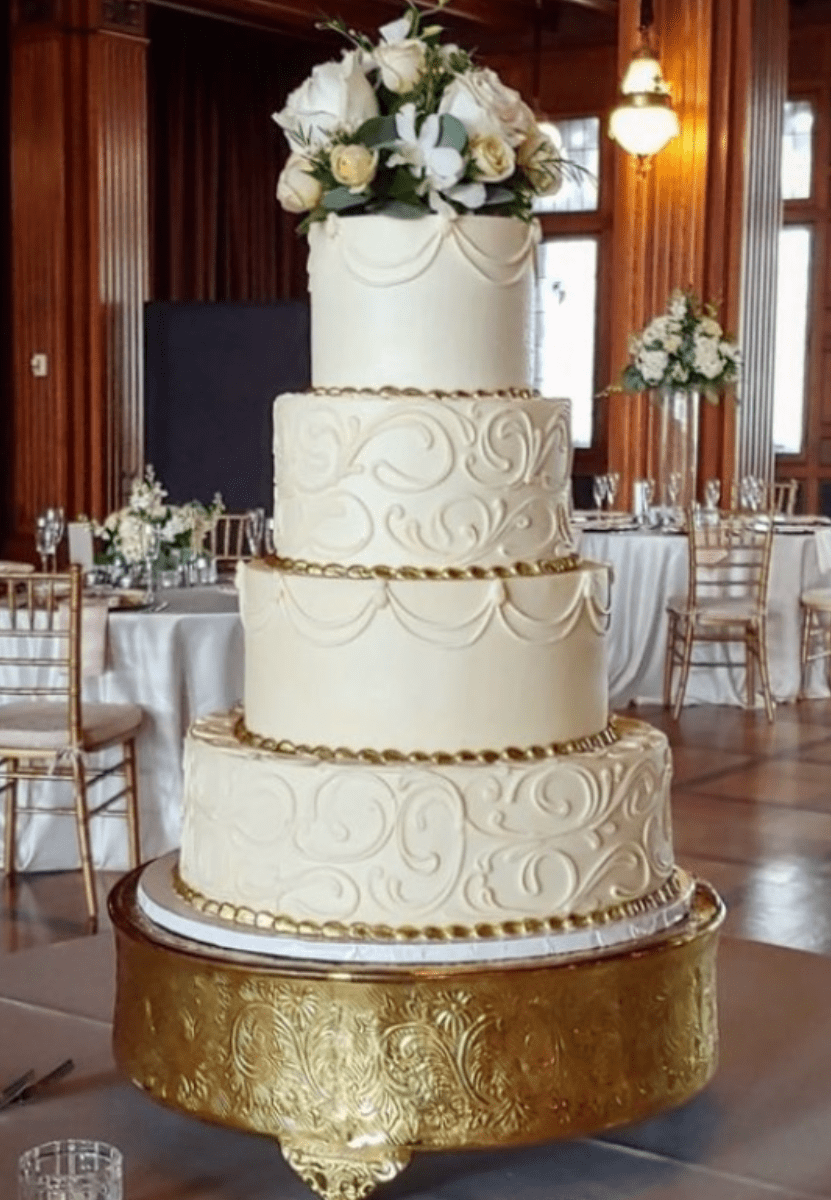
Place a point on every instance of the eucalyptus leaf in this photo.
(452, 132)
(494, 194)
(402, 210)
(377, 131)
(341, 197)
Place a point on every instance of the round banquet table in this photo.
(649, 567)
(177, 664)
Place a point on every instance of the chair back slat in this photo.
(729, 558)
(40, 641)
(226, 541)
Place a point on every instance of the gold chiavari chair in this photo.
(784, 494)
(226, 541)
(815, 643)
(46, 731)
(727, 599)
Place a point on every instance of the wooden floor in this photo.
(751, 811)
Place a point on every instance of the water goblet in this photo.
(612, 484)
(712, 493)
(56, 517)
(45, 541)
(254, 530)
(72, 1169)
(600, 485)
(673, 488)
(150, 544)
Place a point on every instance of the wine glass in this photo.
(600, 486)
(151, 544)
(45, 541)
(712, 493)
(254, 530)
(56, 518)
(612, 484)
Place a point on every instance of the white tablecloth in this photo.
(651, 566)
(177, 664)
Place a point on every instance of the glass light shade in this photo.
(643, 129)
(643, 75)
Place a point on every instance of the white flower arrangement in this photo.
(182, 528)
(409, 126)
(685, 348)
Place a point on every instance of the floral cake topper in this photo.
(683, 348)
(410, 126)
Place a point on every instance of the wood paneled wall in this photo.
(683, 224)
(79, 262)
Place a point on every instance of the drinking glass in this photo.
(600, 485)
(57, 519)
(73, 1169)
(151, 544)
(612, 484)
(712, 493)
(254, 530)
(45, 541)
(673, 488)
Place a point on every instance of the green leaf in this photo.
(452, 132)
(377, 131)
(408, 212)
(403, 187)
(494, 194)
(341, 197)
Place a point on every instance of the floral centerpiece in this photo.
(181, 528)
(410, 126)
(684, 349)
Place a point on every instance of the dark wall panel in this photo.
(212, 372)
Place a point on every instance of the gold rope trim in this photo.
(413, 393)
(594, 741)
(359, 931)
(298, 566)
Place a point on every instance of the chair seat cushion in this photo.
(42, 726)
(817, 598)
(722, 611)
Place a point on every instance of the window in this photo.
(581, 146)
(797, 150)
(567, 325)
(792, 301)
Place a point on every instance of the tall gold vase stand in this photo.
(352, 1069)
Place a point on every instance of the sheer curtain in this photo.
(218, 233)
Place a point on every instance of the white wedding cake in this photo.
(424, 768)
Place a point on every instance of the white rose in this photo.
(354, 166)
(297, 190)
(706, 358)
(401, 64)
(652, 365)
(709, 328)
(483, 104)
(540, 160)
(336, 97)
(493, 158)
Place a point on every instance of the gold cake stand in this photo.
(354, 1068)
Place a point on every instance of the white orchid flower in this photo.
(396, 31)
(439, 167)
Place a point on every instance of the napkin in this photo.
(94, 618)
(14, 568)
(79, 534)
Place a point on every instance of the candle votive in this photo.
(72, 1169)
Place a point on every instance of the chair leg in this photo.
(751, 649)
(689, 631)
(764, 668)
(669, 658)
(10, 822)
(131, 783)
(82, 826)
(804, 642)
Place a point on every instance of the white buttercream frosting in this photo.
(433, 303)
(426, 844)
(425, 664)
(421, 480)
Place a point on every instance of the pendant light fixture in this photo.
(644, 121)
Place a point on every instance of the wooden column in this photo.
(80, 255)
(684, 224)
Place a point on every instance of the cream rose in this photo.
(401, 64)
(298, 190)
(354, 166)
(484, 105)
(540, 160)
(493, 158)
(336, 97)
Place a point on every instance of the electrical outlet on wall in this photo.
(39, 364)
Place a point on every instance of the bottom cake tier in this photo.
(379, 850)
(352, 1068)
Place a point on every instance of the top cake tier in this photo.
(437, 304)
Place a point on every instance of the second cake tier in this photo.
(475, 663)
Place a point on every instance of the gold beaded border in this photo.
(673, 889)
(299, 566)
(511, 754)
(413, 393)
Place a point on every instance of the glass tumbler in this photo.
(74, 1169)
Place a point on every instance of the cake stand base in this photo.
(353, 1068)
